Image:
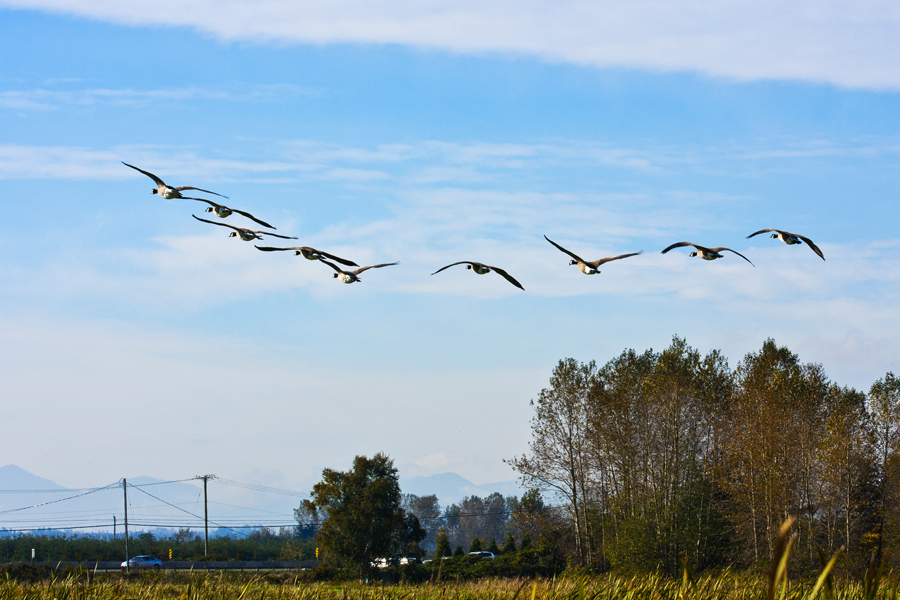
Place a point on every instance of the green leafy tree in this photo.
(529, 517)
(364, 519)
(526, 542)
(442, 544)
(510, 544)
(884, 408)
(475, 546)
(428, 510)
(492, 546)
(458, 551)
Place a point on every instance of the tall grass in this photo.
(211, 586)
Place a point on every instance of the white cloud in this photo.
(839, 42)
(423, 162)
(427, 163)
(47, 99)
(66, 162)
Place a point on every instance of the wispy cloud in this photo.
(50, 99)
(839, 43)
(423, 162)
(431, 162)
(66, 162)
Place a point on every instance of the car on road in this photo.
(395, 561)
(145, 561)
(482, 554)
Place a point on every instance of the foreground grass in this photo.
(223, 586)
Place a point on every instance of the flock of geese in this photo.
(586, 267)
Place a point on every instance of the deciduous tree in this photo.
(364, 516)
(559, 453)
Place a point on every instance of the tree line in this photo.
(261, 544)
(485, 522)
(360, 516)
(660, 455)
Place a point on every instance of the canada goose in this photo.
(310, 254)
(169, 192)
(589, 268)
(481, 269)
(245, 234)
(790, 239)
(706, 253)
(351, 276)
(223, 211)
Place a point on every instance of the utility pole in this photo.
(205, 479)
(125, 489)
(114, 527)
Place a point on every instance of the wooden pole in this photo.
(205, 521)
(125, 489)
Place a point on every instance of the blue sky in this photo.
(141, 342)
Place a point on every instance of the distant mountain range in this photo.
(28, 501)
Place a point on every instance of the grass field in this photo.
(236, 586)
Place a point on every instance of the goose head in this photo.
(573, 262)
(774, 235)
(233, 234)
(209, 209)
(693, 254)
(335, 275)
(154, 191)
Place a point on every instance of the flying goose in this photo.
(481, 269)
(245, 234)
(589, 268)
(790, 239)
(706, 253)
(310, 254)
(223, 211)
(351, 276)
(169, 192)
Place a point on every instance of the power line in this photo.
(184, 511)
(62, 491)
(261, 488)
(3, 512)
(67, 490)
(140, 485)
(161, 519)
(157, 525)
(271, 512)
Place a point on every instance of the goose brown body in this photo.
(310, 254)
(590, 267)
(166, 191)
(706, 253)
(791, 239)
(222, 211)
(483, 269)
(353, 276)
(245, 234)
